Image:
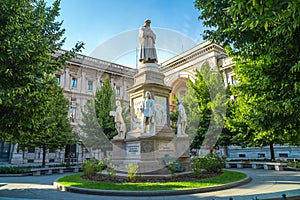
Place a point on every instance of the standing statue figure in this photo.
(119, 122)
(181, 122)
(147, 44)
(148, 110)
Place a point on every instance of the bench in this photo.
(75, 168)
(236, 164)
(256, 165)
(47, 170)
(268, 165)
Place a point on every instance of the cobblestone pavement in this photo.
(265, 184)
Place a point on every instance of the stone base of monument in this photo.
(148, 151)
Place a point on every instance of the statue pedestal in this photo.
(145, 151)
(182, 145)
(148, 150)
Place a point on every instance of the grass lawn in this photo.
(227, 177)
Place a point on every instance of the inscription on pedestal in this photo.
(166, 147)
(133, 149)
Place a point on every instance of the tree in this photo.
(104, 103)
(205, 106)
(93, 137)
(97, 125)
(54, 130)
(30, 36)
(261, 38)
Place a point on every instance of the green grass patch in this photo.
(226, 177)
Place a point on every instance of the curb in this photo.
(15, 175)
(150, 193)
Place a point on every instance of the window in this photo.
(118, 91)
(74, 82)
(58, 79)
(242, 155)
(283, 155)
(31, 149)
(73, 99)
(261, 155)
(72, 114)
(90, 85)
(73, 102)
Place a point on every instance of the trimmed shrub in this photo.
(90, 167)
(210, 163)
(14, 170)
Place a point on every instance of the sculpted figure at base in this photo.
(181, 122)
(148, 111)
(147, 44)
(119, 121)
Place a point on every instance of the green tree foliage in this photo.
(262, 37)
(30, 36)
(93, 137)
(126, 115)
(104, 103)
(228, 134)
(54, 130)
(205, 106)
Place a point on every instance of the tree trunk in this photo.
(225, 151)
(272, 151)
(44, 157)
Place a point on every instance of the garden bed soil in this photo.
(143, 179)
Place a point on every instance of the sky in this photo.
(109, 28)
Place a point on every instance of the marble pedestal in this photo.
(148, 151)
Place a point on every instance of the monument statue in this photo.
(147, 44)
(150, 137)
(181, 122)
(148, 111)
(119, 121)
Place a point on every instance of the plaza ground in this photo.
(265, 184)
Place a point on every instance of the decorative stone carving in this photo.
(148, 109)
(147, 147)
(181, 122)
(119, 121)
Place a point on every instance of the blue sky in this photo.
(103, 24)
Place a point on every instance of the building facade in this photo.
(79, 79)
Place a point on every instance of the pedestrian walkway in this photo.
(265, 184)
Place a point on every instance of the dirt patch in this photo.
(140, 179)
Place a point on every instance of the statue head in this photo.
(180, 100)
(148, 94)
(147, 22)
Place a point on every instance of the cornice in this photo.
(190, 55)
(100, 65)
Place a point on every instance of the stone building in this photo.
(79, 80)
(183, 66)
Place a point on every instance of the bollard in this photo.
(283, 197)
